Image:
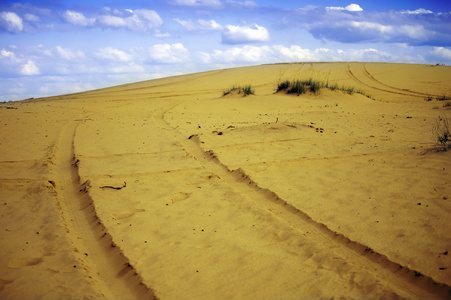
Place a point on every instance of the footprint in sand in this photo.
(127, 214)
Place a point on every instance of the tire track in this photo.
(108, 269)
(404, 281)
(371, 77)
(396, 91)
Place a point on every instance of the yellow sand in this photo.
(165, 189)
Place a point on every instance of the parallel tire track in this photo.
(406, 282)
(413, 93)
(385, 89)
(108, 269)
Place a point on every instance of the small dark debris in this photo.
(442, 269)
(220, 133)
(37, 232)
(191, 136)
(408, 117)
(86, 254)
(75, 266)
(445, 253)
(114, 187)
(417, 274)
(52, 183)
(419, 203)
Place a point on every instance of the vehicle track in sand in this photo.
(371, 77)
(108, 269)
(371, 82)
(402, 280)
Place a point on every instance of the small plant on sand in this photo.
(300, 86)
(443, 133)
(314, 86)
(246, 90)
(443, 98)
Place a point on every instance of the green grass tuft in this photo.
(246, 90)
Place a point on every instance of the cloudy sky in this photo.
(51, 47)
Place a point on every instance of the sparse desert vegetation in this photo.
(245, 90)
(443, 133)
(300, 87)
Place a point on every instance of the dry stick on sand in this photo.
(114, 187)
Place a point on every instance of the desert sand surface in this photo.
(166, 189)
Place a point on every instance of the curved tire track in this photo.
(107, 267)
(413, 93)
(374, 82)
(406, 282)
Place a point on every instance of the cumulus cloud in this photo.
(77, 18)
(10, 22)
(69, 54)
(443, 53)
(244, 34)
(350, 7)
(420, 11)
(140, 20)
(31, 18)
(419, 27)
(202, 25)
(245, 4)
(210, 24)
(169, 53)
(30, 68)
(110, 53)
(294, 53)
(205, 3)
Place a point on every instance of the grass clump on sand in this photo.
(246, 90)
(443, 133)
(300, 87)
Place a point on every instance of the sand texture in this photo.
(167, 189)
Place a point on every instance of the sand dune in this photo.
(166, 189)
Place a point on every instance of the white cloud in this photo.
(77, 18)
(207, 3)
(420, 11)
(69, 54)
(281, 54)
(111, 21)
(11, 21)
(169, 53)
(365, 26)
(6, 53)
(203, 25)
(209, 25)
(31, 18)
(113, 54)
(245, 4)
(244, 34)
(188, 25)
(245, 54)
(30, 68)
(442, 52)
(350, 7)
(353, 7)
(140, 20)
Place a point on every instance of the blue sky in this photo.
(53, 47)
